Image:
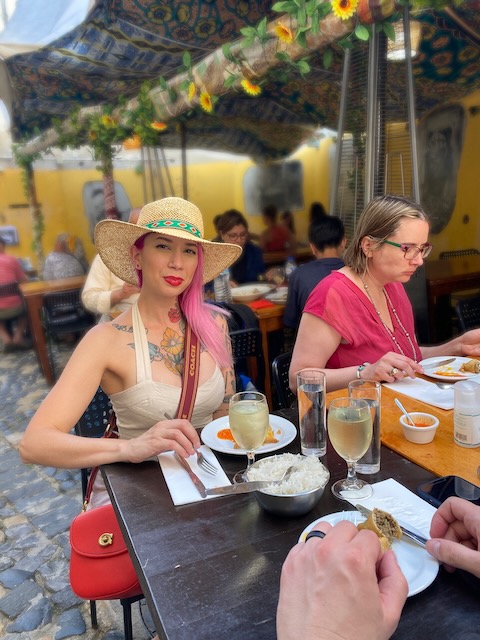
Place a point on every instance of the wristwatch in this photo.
(360, 369)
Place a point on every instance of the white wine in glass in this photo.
(350, 432)
(248, 418)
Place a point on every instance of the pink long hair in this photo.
(199, 314)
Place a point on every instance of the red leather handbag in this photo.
(100, 565)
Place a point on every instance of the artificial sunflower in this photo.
(158, 126)
(108, 121)
(283, 33)
(344, 9)
(192, 91)
(206, 102)
(250, 88)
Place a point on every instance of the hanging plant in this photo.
(142, 119)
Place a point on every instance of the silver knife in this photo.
(242, 487)
(419, 539)
(194, 478)
(442, 363)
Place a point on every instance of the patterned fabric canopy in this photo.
(124, 42)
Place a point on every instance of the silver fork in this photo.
(205, 464)
(202, 461)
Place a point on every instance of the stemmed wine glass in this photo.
(248, 418)
(350, 431)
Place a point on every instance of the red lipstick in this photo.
(173, 281)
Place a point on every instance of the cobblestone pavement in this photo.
(37, 505)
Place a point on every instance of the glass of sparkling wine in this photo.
(350, 431)
(248, 418)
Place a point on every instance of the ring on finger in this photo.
(393, 372)
(315, 534)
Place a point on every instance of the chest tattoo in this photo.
(170, 351)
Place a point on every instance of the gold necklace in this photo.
(387, 328)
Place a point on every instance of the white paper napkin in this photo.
(181, 488)
(425, 391)
(404, 505)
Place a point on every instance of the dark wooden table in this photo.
(212, 569)
(447, 276)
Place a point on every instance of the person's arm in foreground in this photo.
(340, 588)
(455, 533)
(47, 439)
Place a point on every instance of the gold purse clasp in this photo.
(105, 539)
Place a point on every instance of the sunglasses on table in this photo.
(411, 251)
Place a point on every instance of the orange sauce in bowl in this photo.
(419, 423)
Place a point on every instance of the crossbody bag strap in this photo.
(191, 372)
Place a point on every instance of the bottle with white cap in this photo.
(466, 414)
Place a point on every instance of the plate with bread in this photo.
(418, 566)
(217, 436)
(460, 368)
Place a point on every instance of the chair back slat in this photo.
(458, 253)
(280, 369)
(468, 313)
(248, 355)
(9, 289)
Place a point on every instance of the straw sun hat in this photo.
(171, 217)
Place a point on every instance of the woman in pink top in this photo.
(11, 306)
(358, 322)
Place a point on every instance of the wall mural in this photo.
(94, 203)
(440, 143)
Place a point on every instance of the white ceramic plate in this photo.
(417, 565)
(453, 368)
(280, 295)
(283, 429)
(249, 292)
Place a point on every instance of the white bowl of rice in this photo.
(296, 495)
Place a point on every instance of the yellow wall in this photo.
(217, 186)
(213, 186)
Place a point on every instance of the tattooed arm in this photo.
(228, 373)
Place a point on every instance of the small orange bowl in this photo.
(424, 430)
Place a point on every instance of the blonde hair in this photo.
(380, 219)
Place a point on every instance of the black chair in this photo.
(248, 355)
(456, 298)
(280, 369)
(64, 314)
(468, 313)
(92, 424)
(458, 253)
(10, 289)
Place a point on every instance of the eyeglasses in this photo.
(237, 236)
(411, 251)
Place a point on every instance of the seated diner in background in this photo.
(276, 237)
(12, 309)
(358, 321)
(343, 586)
(103, 293)
(233, 227)
(327, 243)
(67, 259)
(138, 359)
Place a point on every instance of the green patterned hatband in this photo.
(174, 224)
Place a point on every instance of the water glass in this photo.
(370, 391)
(312, 412)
